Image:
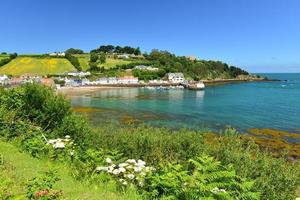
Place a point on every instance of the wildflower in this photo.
(108, 160)
(110, 169)
(217, 190)
(141, 163)
(131, 161)
(141, 184)
(115, 171)
(59, 145)
(123, 165)
(122, 169)
(101, 169)
(137, 169)
(130, 176)
(67, 137)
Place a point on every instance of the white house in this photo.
(175, 77)
(57, 54)
(78, 74)
(85, 81)
(128, 80)
(112, 80)
(147, 68)
(124, 56)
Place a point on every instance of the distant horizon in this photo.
(254, 35)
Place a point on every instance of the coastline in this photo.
(81, 90)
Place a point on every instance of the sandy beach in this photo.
(78, 91)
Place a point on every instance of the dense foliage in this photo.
(74, 61)
(8, 59)
(148, 75)
(74, 51)
(188, 164)
(193, 68)
(117, 49)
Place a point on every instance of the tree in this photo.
(74, 51)
(74, 61)
(3, 53)
(137, 51)
(93, 57)
(102, 58)
(93, 66)
(13, 56)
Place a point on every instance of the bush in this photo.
(37, 104)
(42, 187)
(74, 61)
(154, 145)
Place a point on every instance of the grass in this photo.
(20, 167)
(38, 66)
(3, 56)
(110, 62)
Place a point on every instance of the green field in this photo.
(110, 62)
(3, 56)
(38, 66)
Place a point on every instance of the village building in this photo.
(78, 74)
(123, 56)
(191, 58)
(57, 54)
(48, 82)
(128, 80)
(175, 77)
(147, 68)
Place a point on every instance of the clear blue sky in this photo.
(257, 35)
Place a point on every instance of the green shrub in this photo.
(42, 187)
(154, 145)
(37, 104)
(275, 178)
(169, 181)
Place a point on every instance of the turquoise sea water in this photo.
(244, 105)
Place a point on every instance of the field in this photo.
(3, 56)
(38, 66)
(110, 62)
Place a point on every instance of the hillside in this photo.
(36, 65)
(110, 62)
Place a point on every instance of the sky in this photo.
(256, 35)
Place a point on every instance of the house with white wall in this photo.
(175, 77)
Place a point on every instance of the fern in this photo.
(209, 179)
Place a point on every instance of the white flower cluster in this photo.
(131, 171)
(60, 143)
(217, 190)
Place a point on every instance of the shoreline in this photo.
(68, 90)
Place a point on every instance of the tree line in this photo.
(8, 59)
(117, 49)
(74, 61)
(197, 69)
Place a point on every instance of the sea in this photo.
(274, 105)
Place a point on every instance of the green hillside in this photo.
(110, 62)
(36, 65)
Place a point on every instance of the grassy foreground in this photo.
(38, 66)
(18, 168)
